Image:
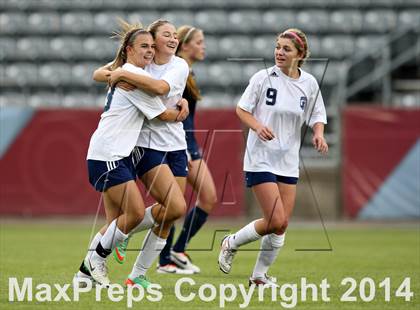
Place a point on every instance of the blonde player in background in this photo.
(175, 259)
(275, 104)
(110, 162)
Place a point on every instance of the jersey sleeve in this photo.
(176, 77)
(316, 111)
(150, 106)
(250, 97)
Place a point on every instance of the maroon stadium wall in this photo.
(380, 171)
(43, 169)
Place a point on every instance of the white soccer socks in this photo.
(271, 245)
(151, 248)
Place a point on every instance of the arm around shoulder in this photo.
(101, 74)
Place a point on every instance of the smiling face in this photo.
(286, 55)
(142, 51)
(166, 40)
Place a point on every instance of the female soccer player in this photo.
(274, 106)
(110, 164)
(161, 147)
(191, 48)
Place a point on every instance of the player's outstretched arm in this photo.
(264, 133)
(148, 84)
(102, 74)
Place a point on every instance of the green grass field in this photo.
(51, 253)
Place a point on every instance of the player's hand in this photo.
(114, 76)
(320, 144)
(125, 86)
(264, 133)
(184, 110)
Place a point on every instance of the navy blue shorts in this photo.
(147, 159)
(105, 174)
(255, 178)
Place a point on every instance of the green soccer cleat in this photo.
(120, 251)
(140, 280)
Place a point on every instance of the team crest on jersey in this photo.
(303, 101)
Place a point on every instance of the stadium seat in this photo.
(212, 21)
(7, 48)
(263, 46)
(244, 21)
(334, 71)
(33, 48)
(21, 75)
(225, 74)
(13, 23)
(107, 22)
(12, 99)
(100, 48)
(379, 21)
(67, 48)
(315, 47)
(212, 47)
(80, 99)
(235, 46)
(55, 74)
(201, 74)
(249, 69)
(278, 20)
(321, 4)
(44, 99)
(44, 23)
(312, 21)
(409, 20)
(337, 46)
(179, 18)
(77, 22)
(143, 17)
(368, 44)
(346, 21)
(82, 73)
(214, 99)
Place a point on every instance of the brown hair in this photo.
(127, 36)
(299, 41)
(185, 34)
(153, 27)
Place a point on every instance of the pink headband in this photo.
(295, 36)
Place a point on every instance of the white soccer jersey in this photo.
(282, 104)
(121, 123)
(157, 134)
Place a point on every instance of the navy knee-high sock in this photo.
(165, 255)
(195, 219)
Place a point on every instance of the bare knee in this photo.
(276, 224)
(177, 209)
(136, 215)
(282, 230)
(208, 202)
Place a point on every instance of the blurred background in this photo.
(365, 55)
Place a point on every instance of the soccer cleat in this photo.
(173, 269)
(120, 251)
(183, 261)
(140, 280)
(226, 255)
(266, 280)
(98, 271)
